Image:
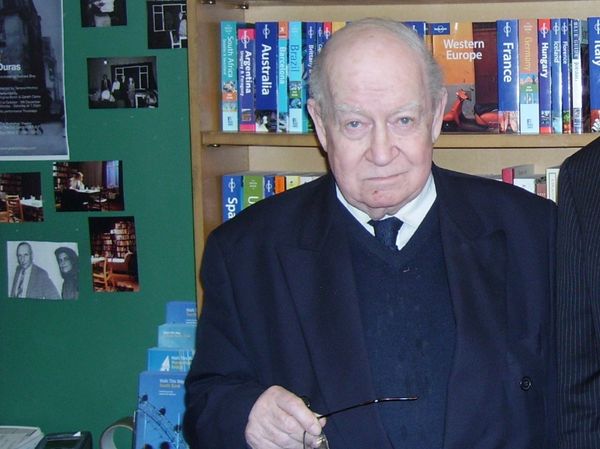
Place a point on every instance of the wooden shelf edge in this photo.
(475, 141)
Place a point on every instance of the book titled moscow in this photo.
(508, 75)
(266, 56)
(594, 70)
(229, 76)
(246, 68)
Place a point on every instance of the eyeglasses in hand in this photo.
(322, 442)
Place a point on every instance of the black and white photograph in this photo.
(88, 186)
(113, 244)
(122, 82)
(32, 94)
(103, 13)
(21, 197)
(167, 24)
(42, 270)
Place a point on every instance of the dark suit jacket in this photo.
(40, 286)
(281, 308)
(578, 280)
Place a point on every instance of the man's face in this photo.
(380, 131)
(24, 256)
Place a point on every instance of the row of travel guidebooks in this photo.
(529, 76)
(240, 190)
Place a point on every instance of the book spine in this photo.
(337, 25)
(529, 100)
(508, 75)
(269, 184)
(565, 59)
(327, 32)
(309, 52)
(552, 183)
(229, 76)
(556, 76)
(253, 190)
(246, 66)
(545, 75)
(279, 183)
(282, 78)
(292, 180)
(594, 72)
(295, 70)
(266, 56)
(231, 193)
(576, 77)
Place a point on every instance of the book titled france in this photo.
(266, 76)
(594, 70)
(229, 76)
(508, 75)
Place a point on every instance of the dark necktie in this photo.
(386, 231)
(20, 286)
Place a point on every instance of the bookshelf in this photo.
(215, 152)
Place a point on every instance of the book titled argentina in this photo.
(246, 72)
(266, 76)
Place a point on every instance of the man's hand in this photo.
(279, 419)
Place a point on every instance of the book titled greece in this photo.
(295, 70)
(556, 76)
(229, 76)
(594, 71)
(508, 75)
(246, 71)
(545, 74)
(267, 39)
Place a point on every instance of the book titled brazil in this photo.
(229, 76)
(508, 75)
(594, 72)
(160, 409)
(246, 72)
(295, 70)
(266, 55)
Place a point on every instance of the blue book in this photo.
(556, 76)
(231, 195)
(269, 184)
(246, 72)
(160, 409)
(177, 335)
(309, 52)
(229, 76)
(182, 312)
(579, 42)
(545, 74)
(508, 75)
(170, 359)
(282, 78)
(594, 72)
(295, 70)
(565, 59)
(266, 56)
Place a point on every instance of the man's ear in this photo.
(315, 112)
(438, 115)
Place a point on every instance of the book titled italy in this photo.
(266, 56)
(246, 71)
(529, 99)
(229, 76)
(594, 72)
(508, 75)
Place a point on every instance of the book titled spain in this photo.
(565, 64)
(295, 69)
(266, 56)
(231, 195)
(508, 75)
(594, 72)
(545, 74)
(229, 76)
(529, 100)
(246, 72)
(556, 76)
(282, 77)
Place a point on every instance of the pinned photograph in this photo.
(167, 24)
(88, 186)
(21, 197)
(42, 270)
(122, 82)
(113, 244)
(103, 13)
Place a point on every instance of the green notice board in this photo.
(71, 365)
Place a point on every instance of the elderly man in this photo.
(389, 277)
(31, 281)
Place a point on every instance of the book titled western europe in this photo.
(266, 56)
(229, 76)
(556, 76)
(508, 75)
(246, 73)
(529, 100)
(545, 74)
(594, 72)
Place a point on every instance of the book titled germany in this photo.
(229, 76)
(246, 71)
(508, 75)
(529, 98)
(467, 54)
(594, 72)
(265, 57)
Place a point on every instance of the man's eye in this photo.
(353, 124)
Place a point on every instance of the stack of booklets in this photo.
(160, 408)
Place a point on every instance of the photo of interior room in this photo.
(20, 198)
(88, 186)
(114, 254)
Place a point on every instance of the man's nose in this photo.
(382, 150)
